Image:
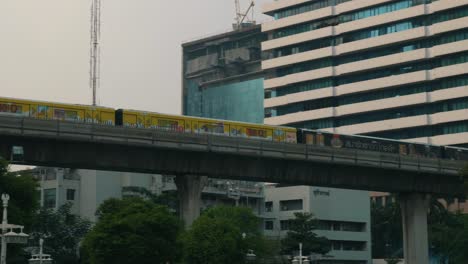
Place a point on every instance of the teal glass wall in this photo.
(242, 101)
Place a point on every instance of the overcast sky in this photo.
(44, 48)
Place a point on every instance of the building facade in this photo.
(222, 79)
(387, 68)
(343, 215)
(87, 189)
(222, 76)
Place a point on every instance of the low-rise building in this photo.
(343, 215)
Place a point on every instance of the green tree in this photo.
(24, 201)
(447, 231)
(301, 230)
(216, 236)
(464, 174)
(387, 232)
(449, 237)
(168, 199)
(24, 195)
(133, 230)
(62, 232)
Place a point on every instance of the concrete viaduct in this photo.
(193, 157)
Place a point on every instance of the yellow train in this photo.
(196, 125)
(57, 111)
(141, 119)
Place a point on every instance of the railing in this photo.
(62, 130)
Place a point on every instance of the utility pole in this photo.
(41, 244)
(10, 237)
(5, 198)
(95, 59)
(300, 253)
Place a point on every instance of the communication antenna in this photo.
(95, 60)
(240, 17)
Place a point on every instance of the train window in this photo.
(11, 108)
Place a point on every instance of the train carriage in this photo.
(365, 143)
(187, 124)
(57, 111)
(196, 125)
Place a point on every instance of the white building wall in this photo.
(326, 204)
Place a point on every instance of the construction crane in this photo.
(95, 60)
(240, 17)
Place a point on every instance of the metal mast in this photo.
(238, 13)
(95, 60)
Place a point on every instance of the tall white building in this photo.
(386, 68)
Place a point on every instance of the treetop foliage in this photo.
(217, 236)
(301, 230)
(62, 232)
(24, 197)
(133, 230)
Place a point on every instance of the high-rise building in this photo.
(223, 79)
(395, 69)
(387, 68)
(222, 76)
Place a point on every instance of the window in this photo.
(50, 175)
(291, 205)
(50, 198)
(269, 225)
(268, 206)
(70, 194)
(336, 245)
(379, 201)
(341, 226)
(348, 245)
(336, 226)
(284, 224)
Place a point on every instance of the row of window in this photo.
(404, 90)
(425, 109)
(300, 87)
(372, 32)
(341, 226)
(338, 245)
(441, 84)
(451, 59)
(287, 205)
(339, 60)
(50, 196)
(225, 46)
(306, 7)
(357, 98)
(353, 16)
(326, 225)
(407, 133)
(428, 131)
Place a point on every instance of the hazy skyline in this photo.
(44, 53)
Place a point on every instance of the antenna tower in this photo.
(95, 59)
(240, 17)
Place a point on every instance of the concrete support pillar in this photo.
(414, 208)
(189, 189)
